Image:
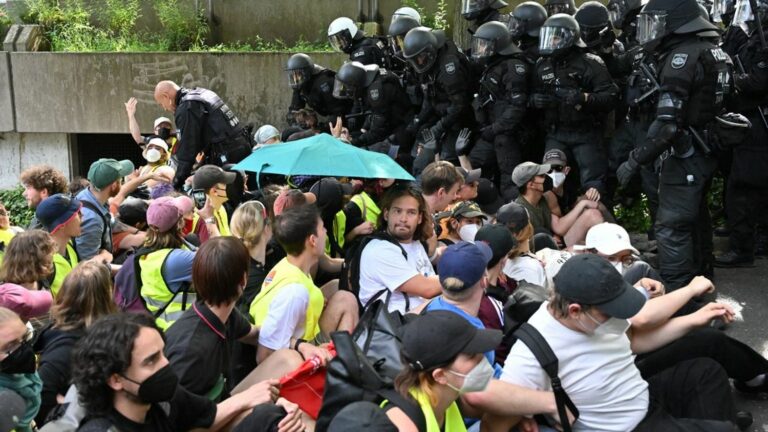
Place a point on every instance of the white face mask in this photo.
(558, 178)
(467, 232)
(476, 380)
(153, 155)
(613, 327)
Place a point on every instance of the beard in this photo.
(402, 233)
(114, 190)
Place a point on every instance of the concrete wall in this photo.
(85, 92)
(19, 151)
(6, 102)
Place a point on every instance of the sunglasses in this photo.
(558, 168)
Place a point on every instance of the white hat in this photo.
(265, 133)
(158, 142)
(161, 120)
(609, 239)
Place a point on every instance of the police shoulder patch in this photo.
(325, 87)
(374, 94)
(678, 60)
(450, 68)
(762, 65)
(520, 69)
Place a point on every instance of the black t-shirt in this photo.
(185, 411)
(256, 274)
(199, 347)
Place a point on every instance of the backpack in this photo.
(351, 377)
(128, 287)
(535, 342)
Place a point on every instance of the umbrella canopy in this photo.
(322, 155)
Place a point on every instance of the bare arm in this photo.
(422, 286)
(133, 125)
(658, 310)
(260, 393)
(561, 225)
(643, 341)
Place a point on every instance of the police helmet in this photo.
(526, 19)
(723, 10)
(660, 18)
(299, 68)
(490, 39)
(473, 9)
(420, 49)
(406, 12)
(352, 78)
(397, 31)
(623, 12)
(555, 7)
(558, 34)
(595, 25)
(342, 32)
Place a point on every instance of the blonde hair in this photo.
(410, 378)
(248, 223)
(84, 297)
(523, 237)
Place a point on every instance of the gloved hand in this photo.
(569, 96)
(627, 170)
(428, 140)
(463, 142)
(487, 134)
(437, 130)
(543, 101)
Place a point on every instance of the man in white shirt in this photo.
(585, 323)
(397, 269)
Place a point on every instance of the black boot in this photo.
(734, 259)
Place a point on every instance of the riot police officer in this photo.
(313, 88)
(554, 7)
(747, 187)
(443, 72)
(345, 37)
(574, 91)
(734, 36)
(598, 35)
(406, 11)
(623, 15)
(479, 12)
(500, 104)
(385, 103)
(694, 81)
(396, 34)
(524, 26)
(205, 124)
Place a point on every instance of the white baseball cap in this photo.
(161, 120)
(158, 142)
(609, 239)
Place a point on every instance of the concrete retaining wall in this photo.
(19, 151)
(6, 101)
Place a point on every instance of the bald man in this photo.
(205, 124)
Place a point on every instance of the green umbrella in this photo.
(322, 155)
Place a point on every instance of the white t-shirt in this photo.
(526, 267)
(598, 373)
(382, 266)
(286, 317)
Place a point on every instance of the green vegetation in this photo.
(438, 20)
(15, 203)
(634, 217)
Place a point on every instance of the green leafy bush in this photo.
(15, 203)
(184, 27)
(438, 20)
(634, 217)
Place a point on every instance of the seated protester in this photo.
(85, 296)
(440, 183)
(130, 231)
(488, 197)
(165, 265)
(6, 231)
(501, 242)
(157, 155)
(105, 177)
(360, 215)
(585, 323)
(361, 416)
(468, 190)
(199, 345)
(290, 310)
(17, 366)
(25, 303)
(464, 221)
(60, 216)
(211, 220)
(289, 198)
(77, 185)
(396, 266)
(522, 265)
(40, 182)
(125, 383)
(330, 200)
(533, 182)
(265, 135)
(611, 242)
(163, 128)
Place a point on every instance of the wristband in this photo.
(298, 342)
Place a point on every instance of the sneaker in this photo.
(734, 259)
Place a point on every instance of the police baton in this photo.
(753, 6)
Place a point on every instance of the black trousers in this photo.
(683, 224)
(694, 395)
(509, 154)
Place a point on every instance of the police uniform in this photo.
(694, 79)
(368, 50)
(500, 107)
(317, 94)
(575, 126)
(206, 124)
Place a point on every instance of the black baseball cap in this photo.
(361, 416)
(470, 176)
(329, 192)
(435, 338)
(592, 281)
(208, 176)
(513, 216)
(498, 238)
(488, 197)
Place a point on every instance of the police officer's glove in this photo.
(627, 170)
(437, 130)
(569, 96)
(543, 101)
(463, 142)
(428, 140)
(488, 134)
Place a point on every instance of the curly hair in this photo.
(105, 350)
(45, 177)
(84, 297)
(28, 257)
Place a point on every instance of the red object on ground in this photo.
(304, 386)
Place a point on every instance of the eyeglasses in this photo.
(558, 168)
(15, 345)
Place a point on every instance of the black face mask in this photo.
(159, 387)
(548, 185)
(164, 133)
(20, 361)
